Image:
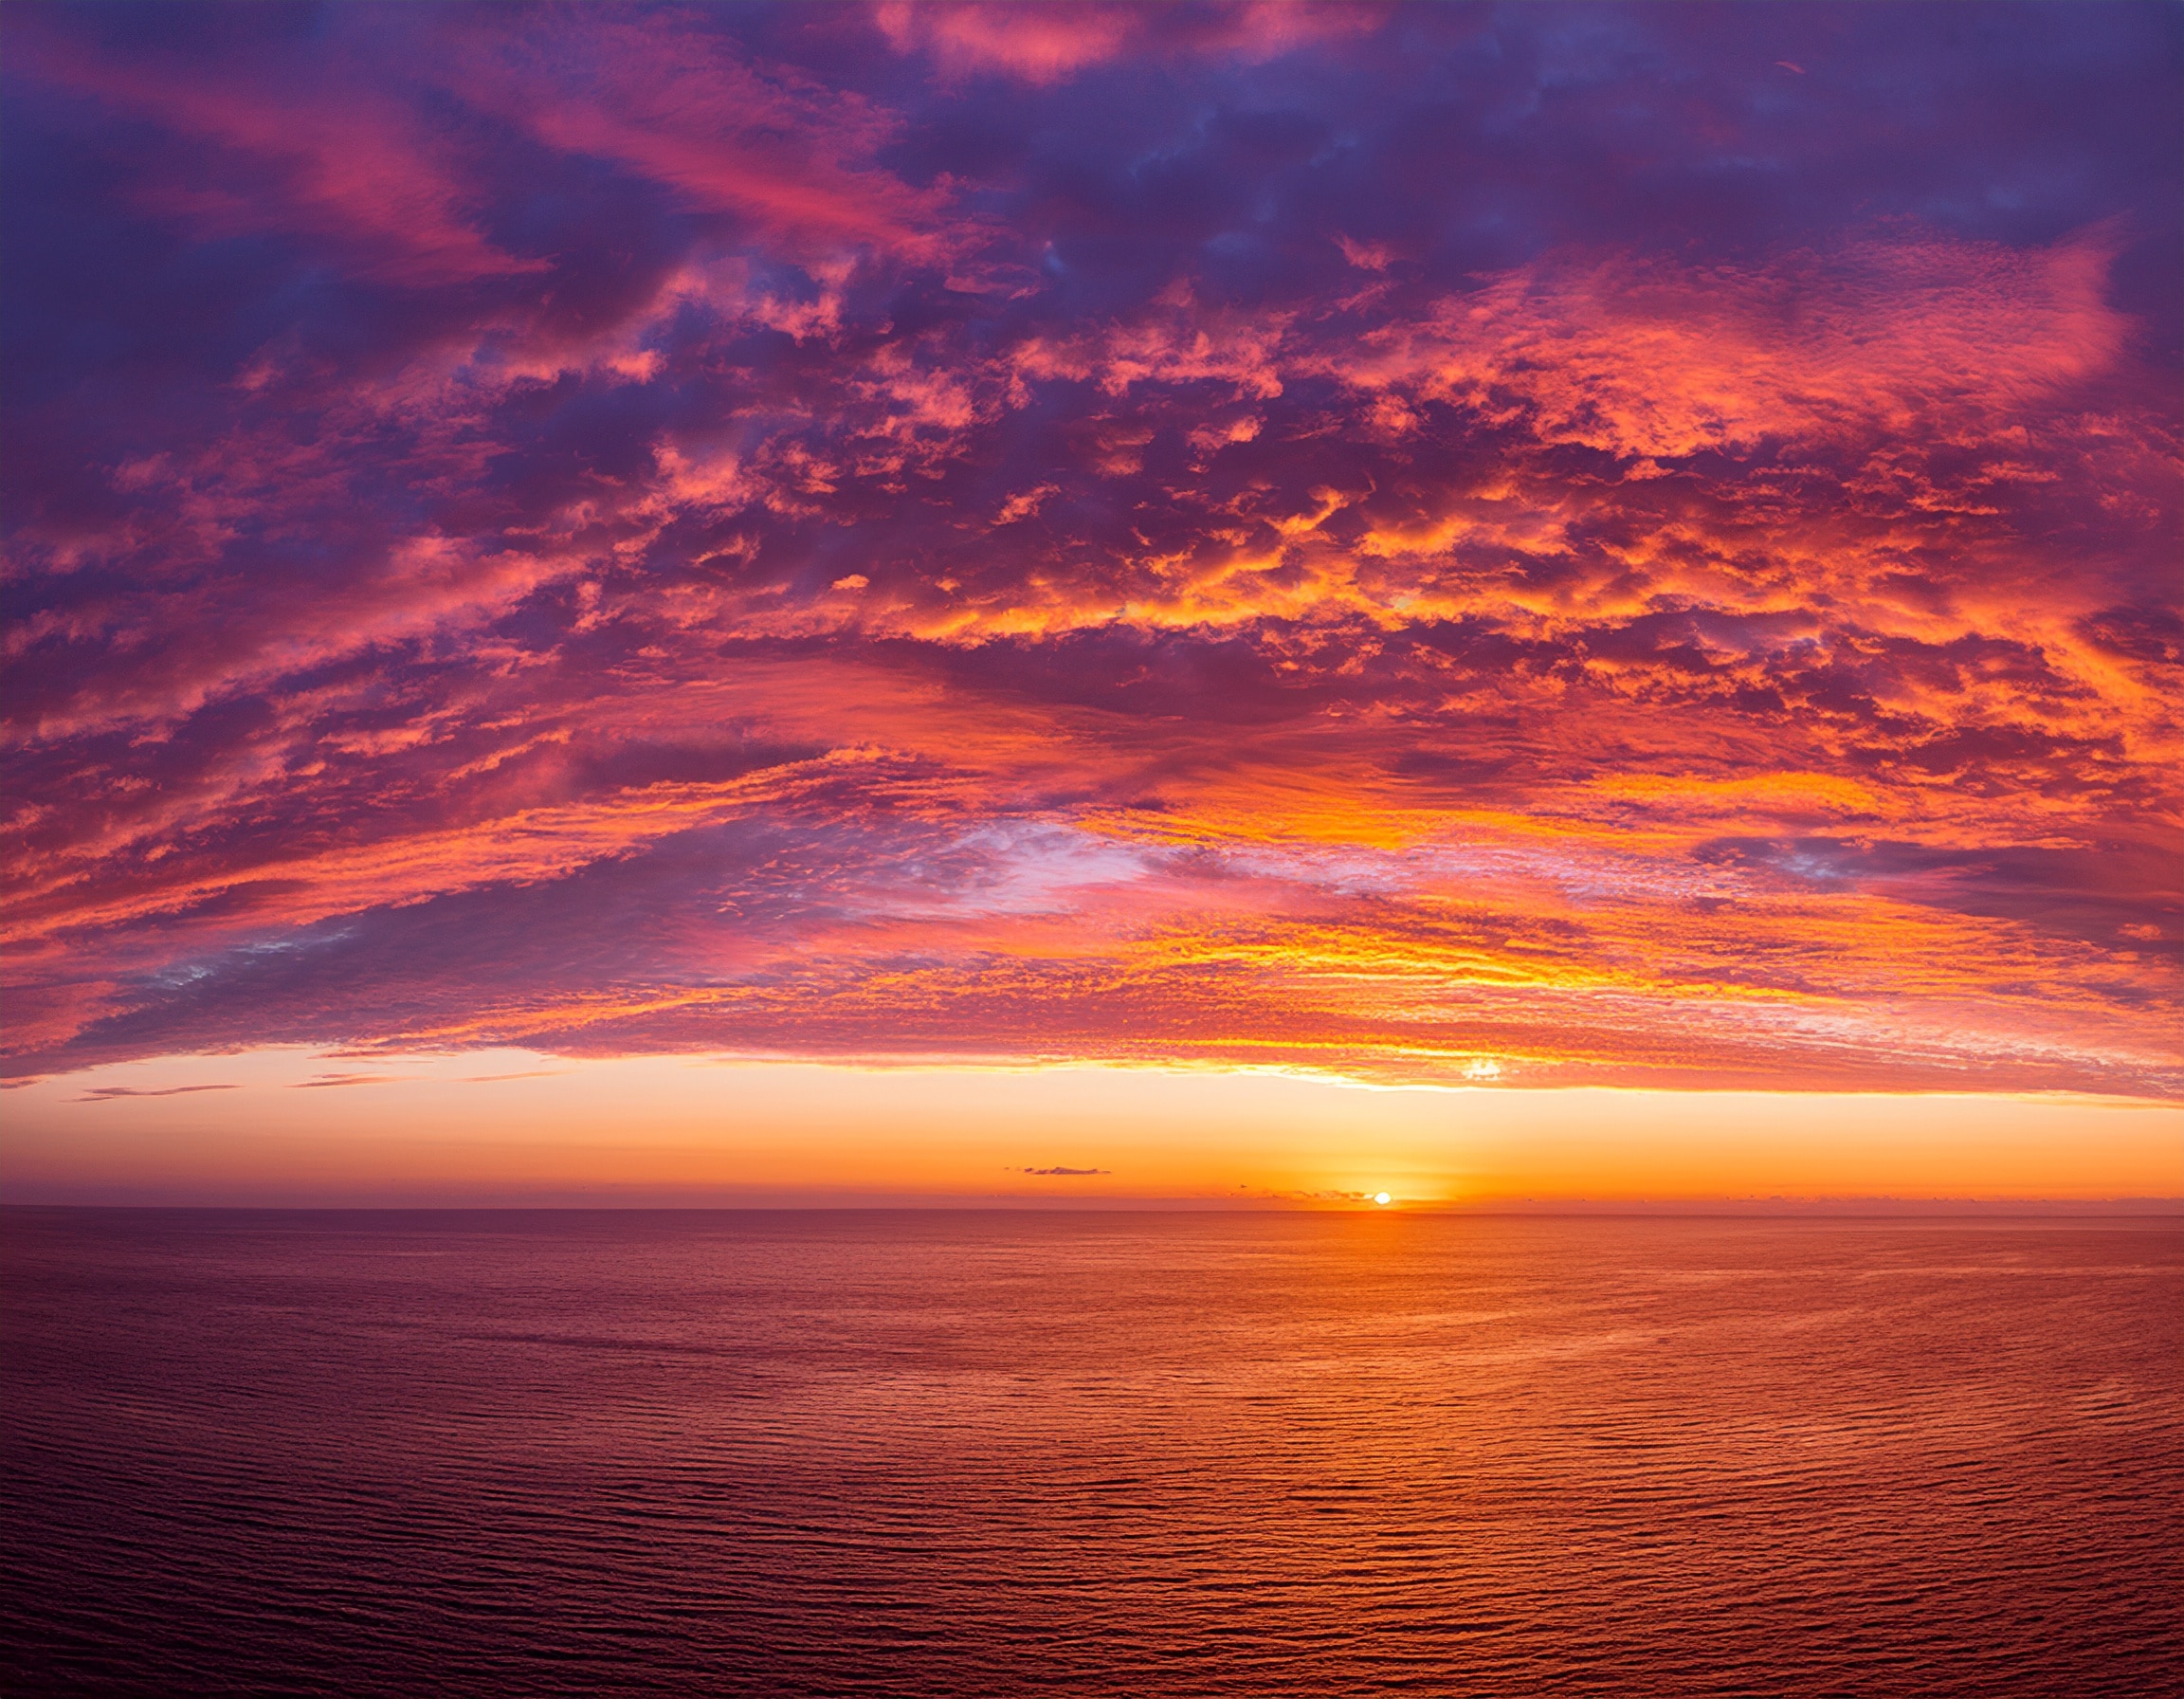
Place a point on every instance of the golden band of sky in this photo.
(297, 1126)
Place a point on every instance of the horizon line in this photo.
(1844, 1207)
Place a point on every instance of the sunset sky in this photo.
(1251, 600)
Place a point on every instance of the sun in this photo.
(1382, 1199)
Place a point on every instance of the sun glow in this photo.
(888, 625)
(304, 1126)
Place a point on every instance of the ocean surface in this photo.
(505, 1454)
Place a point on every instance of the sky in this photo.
(1477, 570)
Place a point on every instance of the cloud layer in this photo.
(1565, 544)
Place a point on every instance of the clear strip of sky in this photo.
(296, 1125)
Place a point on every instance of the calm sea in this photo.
(501, 1453)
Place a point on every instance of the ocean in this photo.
(993, 1452)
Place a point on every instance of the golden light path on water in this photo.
(1002, 1454)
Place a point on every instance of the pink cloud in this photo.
(681, 107)
(1038, 43)
(1049, 43)
(335, 155)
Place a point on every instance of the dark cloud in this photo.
(101, 1093)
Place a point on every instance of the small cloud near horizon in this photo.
(105, 1093)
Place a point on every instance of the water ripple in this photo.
(876, 1453)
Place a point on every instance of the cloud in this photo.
(1041, 44)
(344, 159)
(1074, 1172)
(679, 105)
(1661, 361)
(1426, 544)
(1048, 44)
(105, 1093)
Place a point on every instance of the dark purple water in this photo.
(995, 1454)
